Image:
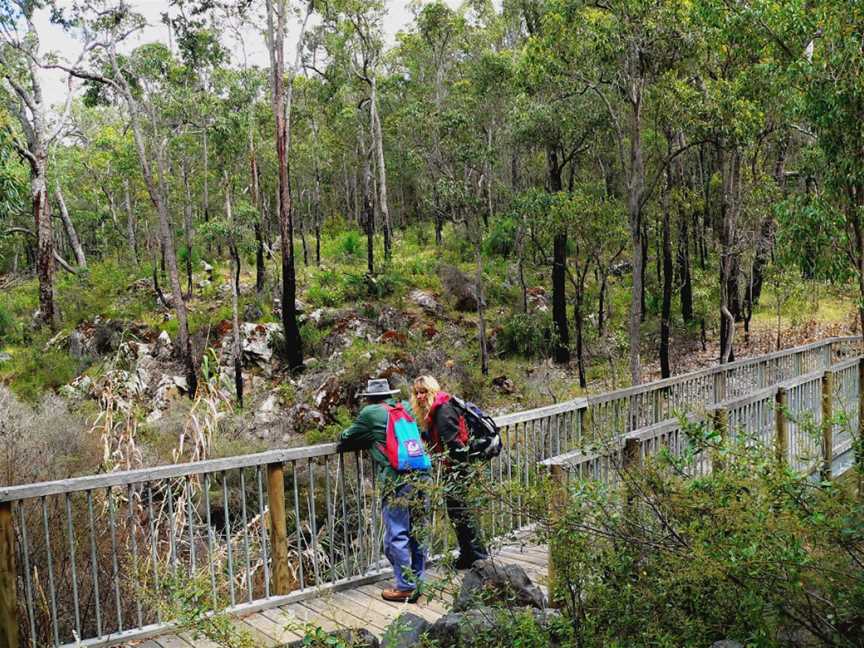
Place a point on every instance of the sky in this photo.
(54, 39)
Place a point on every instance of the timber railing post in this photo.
(8, 577)
(859, 441)
(720, 386)
(827, 424)
(781, 442)
(281, 574)
(557, 508)
(720, 420)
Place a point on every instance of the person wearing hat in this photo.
(401, 509)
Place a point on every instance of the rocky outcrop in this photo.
(469, 628)
(426, 301)
(406, 631)
(459, 288)
(488, 582)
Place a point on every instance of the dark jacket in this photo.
(445, 428)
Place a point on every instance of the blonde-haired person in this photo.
(446, 433)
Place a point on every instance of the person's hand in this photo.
(341, 446)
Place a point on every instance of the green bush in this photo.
(754, 552)
(6, 326)
(501, 240)
(33, 371)
(528, 335)
(350, 244)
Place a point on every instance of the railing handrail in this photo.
(122, 478)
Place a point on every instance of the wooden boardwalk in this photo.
(362, 606)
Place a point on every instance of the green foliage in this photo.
(528, 335)
(753, 552)
(351, 245)
(6, 325)
(501, 240)
(33, 370)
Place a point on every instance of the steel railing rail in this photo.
(95, 559)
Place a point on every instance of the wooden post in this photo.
(827, 424)
(859, 442)
(280, 573)
(781, 442)
(720, 386)
(585, 424)
(8, 578)
(632, 456)
(557, 508)
(720, 420)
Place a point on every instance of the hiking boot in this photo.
(398, 596)
(466, 562)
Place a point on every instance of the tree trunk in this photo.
(561, 349)
(578, 318)
(368, 210)
(237, 342)
(44, 240)
(317, 192)
(731, 166)
(188, 232)
(636, 183)
(71, 234)
(158, 191)
(666, 311)
(481, 314)
(684, 270)
(382, 170)
(130, 222)
(260, 268)
(601, 305)
(293, 344)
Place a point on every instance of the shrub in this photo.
(528, 334)
(350, 244)
(501, 240)
(754, 552)
(6, 326)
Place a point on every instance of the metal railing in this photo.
(808, 420)
(98, 559)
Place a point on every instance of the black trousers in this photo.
(471, 546)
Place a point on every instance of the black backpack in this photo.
(484, 439)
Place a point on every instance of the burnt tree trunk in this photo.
(561, 350)
(666, 308)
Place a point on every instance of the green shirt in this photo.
(369, 431)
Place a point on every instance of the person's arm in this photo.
(361, 434)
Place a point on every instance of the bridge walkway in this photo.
(361, 606)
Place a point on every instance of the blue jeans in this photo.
(401, 547)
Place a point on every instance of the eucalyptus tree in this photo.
(23, 59)
(281, 100)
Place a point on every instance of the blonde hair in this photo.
(421, 402)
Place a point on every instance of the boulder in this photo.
(726, 643)
(5, 357)
(406, 631)
(76, 344)
(459, 288)
(425, 301)
(489, 581)
(170, 388)
(252, 312)
(537, 300)
(503, 384)
(164, 348)
(324, 317)
(266, 416)
(354, 637)
(471, 627)
(329, 394)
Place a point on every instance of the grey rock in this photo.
(469, 628)
(726, 643)
(460, 288)
(5, 357)
(405, 631)
(76, 344)
(425, 301)
(163, 349)
(252, 312)
(489, 581)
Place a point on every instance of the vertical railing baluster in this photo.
(172, 543)
(72, 563)
(211, 558)
(361, 514)
(112, 524)
(346, 539)
(245, 521)
(313, 521)
(297, 524)
(51, 591)
(262, 532)
(133, 527)
(190, 520)
(154, 541)
(330, 519)
(228, 552)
